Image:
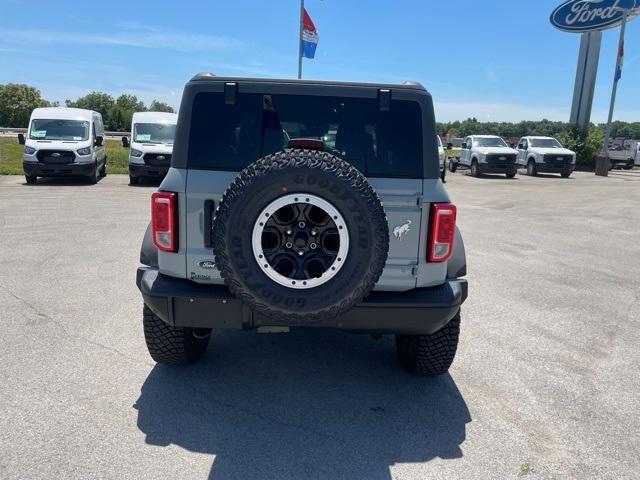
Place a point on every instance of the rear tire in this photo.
(173, 345)
(31, 179)
(430, 355)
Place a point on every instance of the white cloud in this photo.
(448, 111)
(146, 39)
(134, 25)
(251, 69)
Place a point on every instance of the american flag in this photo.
(620, 62)
(310, 36)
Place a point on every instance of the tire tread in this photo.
(430, 355)
(170, 345)
(316, 160)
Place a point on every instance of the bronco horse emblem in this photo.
(401, 230)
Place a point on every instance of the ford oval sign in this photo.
(589, 15)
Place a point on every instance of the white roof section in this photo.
(155, 117)
(539, 138)
(62, 113)
(485, 136)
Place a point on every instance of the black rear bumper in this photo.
(57, 170)
(183, 303)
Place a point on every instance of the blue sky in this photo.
(495, 60)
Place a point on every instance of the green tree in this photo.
(130, 103)
(157, 106)
(17, 101)
(98, 101)
(587, 146)
(118, 119)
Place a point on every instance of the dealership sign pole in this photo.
(590, 17)
(605, 162)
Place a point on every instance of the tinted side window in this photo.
(230, 137)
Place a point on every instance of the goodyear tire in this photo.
(300, 236)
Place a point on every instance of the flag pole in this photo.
(300, 39)
(605, 148)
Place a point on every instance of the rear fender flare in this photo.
(148, 252)
(457, 264)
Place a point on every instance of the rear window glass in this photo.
(230, 137)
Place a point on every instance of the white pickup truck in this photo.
(545, 154)
(625, 157)
(486, 154)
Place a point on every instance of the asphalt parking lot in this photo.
(545, 384)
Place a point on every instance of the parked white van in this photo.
(152, 136)
(64, 142)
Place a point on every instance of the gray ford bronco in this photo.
(304, 204)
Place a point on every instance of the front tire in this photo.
(532, 171)
(95, 175)
(173, 345)
(511, 174)
(31, 179)
(430, 355)
(565, 174)
(453, 166)
(133, 180)
(475, 170)
(103, 170)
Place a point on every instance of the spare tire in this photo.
(300, 236)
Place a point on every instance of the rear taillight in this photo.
(164, 221)
(442, 231)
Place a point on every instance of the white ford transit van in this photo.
(64, 142)
(151, 144)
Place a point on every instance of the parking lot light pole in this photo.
(603, 161)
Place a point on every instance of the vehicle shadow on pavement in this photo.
(147, 182)
(552, 176)
(61, 182)
(494, 176)
(309, 404)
